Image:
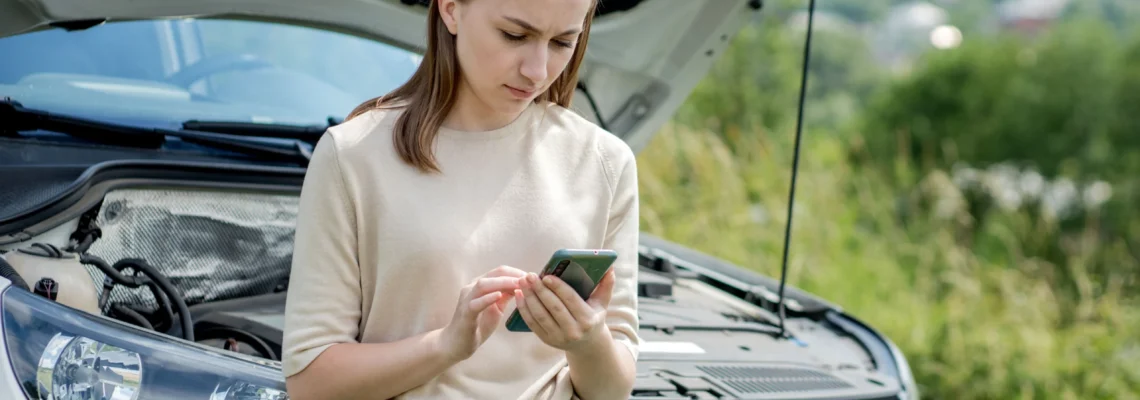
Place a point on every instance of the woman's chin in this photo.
(512, 105)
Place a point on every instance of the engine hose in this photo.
(133, 315)
(163, 303)
(49, 249)
(9, 272)
(114, 275)
(171, 292)
(128, 281)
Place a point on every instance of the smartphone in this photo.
(582, 269)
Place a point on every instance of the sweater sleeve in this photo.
(622, 231)
(323, 306)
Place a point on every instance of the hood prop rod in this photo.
(795, 164)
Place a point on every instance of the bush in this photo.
(981, 212)
(1053, 104)
(974, 324)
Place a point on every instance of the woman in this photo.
(425, 217)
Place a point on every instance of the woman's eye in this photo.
(563, 43)
(512, 37)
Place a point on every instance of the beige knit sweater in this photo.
(382, 250)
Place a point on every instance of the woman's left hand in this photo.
(555, 312)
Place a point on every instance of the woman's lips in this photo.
(519, 93)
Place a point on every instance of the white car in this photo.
(151, 154)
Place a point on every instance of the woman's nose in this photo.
(534, 64)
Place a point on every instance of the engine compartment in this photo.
(217, 259)
(150, 256)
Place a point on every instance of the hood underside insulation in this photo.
(212, 245)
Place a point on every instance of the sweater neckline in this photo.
(522, 123)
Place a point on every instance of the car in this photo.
(151, 157)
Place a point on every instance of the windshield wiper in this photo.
(307, 133)
(14, 117)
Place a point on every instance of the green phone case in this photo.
(581, 269)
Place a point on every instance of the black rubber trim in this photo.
(888, 358)
(26, 186)
(149, 172)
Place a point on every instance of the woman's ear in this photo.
(449, 11)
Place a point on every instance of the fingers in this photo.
(505, 271)
(481, 303)
(524, 311)
(555, 304)
(604, 291)
(574, 304)
(538, 310)
(488, 319)
(502, 303)
(495, 284)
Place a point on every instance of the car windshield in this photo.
(163, 72)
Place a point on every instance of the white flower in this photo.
(1097, 194)
(1059, 198)
(1031, 184)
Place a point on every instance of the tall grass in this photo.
(998, 323)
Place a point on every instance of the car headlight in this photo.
(78, 367)
(60, 353)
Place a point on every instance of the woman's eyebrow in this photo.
(528, 27)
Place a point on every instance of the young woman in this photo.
(426, 216)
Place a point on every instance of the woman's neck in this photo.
(471, 114)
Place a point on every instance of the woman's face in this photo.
(510, 51)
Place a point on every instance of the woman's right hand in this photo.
(480, 309)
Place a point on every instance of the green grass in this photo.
(996, 322)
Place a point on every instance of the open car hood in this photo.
(709, 328)
(644, 57)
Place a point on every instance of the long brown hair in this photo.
(429, 94)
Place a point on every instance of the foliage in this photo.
(1050, 104)
(979, 211)
(992, 324)
(750, 86)
(756, 82)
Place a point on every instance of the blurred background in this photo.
(968, 184)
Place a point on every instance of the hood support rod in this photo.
(795, 163)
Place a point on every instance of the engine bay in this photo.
(217, 261)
